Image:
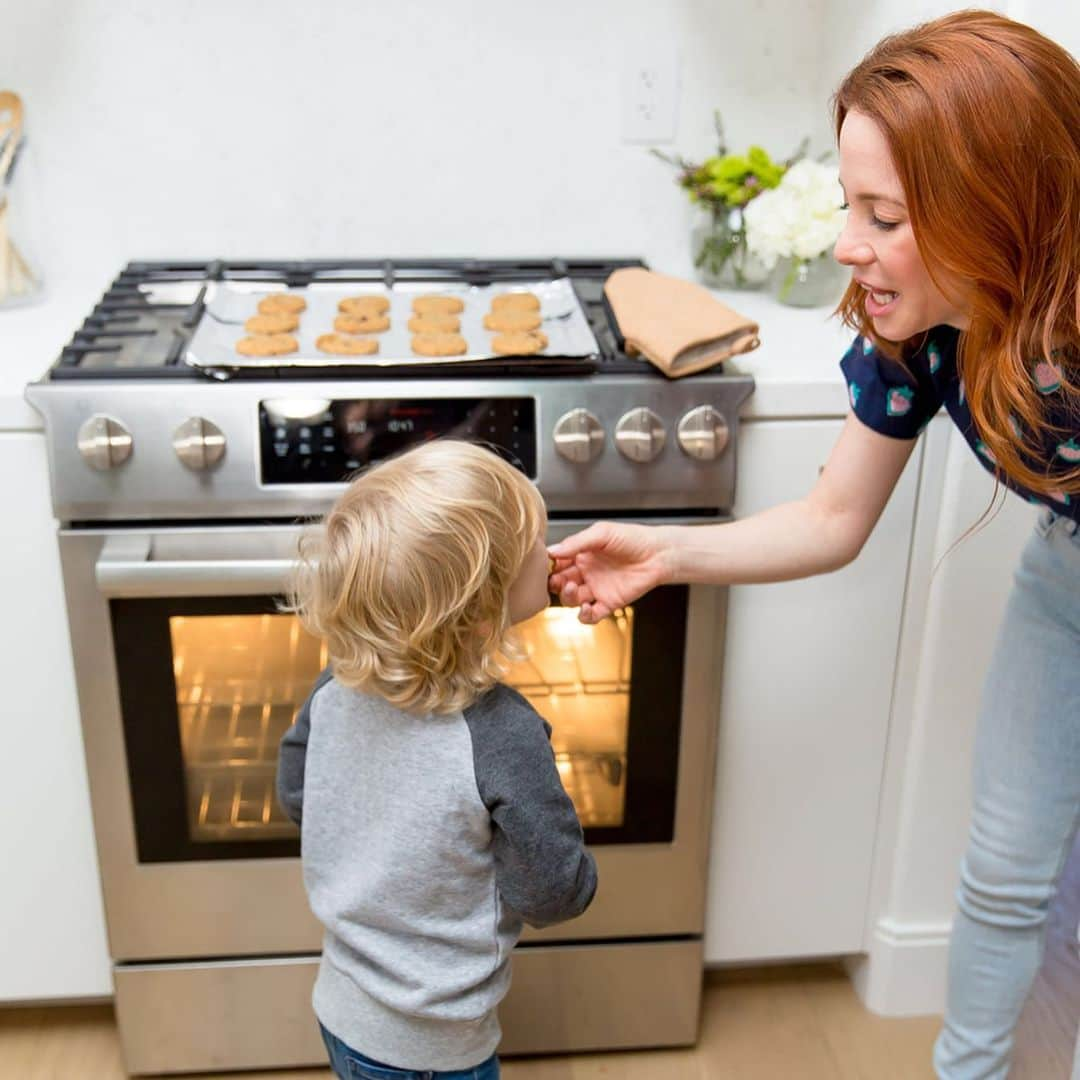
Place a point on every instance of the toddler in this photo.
(433, 821)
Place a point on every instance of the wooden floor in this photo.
(791, 1023)
(803, 1023)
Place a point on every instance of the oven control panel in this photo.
(324, 441)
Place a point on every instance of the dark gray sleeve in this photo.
(292, 752)
(542, 868)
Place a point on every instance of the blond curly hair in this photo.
(407, 576)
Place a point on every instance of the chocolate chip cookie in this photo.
(360, 305)
(277, 323)
(527, 300)
(434, 322)
(512, 319)
(362, 322)
(267, 345)
(439, 345)
(278, 303)
(344, 345)
(431, 304)
(520, 343)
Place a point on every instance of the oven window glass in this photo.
(239, 682)
(209, 685)
(578, 678)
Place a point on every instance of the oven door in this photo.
(188, 674)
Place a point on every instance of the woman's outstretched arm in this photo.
(609, 565)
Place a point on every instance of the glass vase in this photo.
(721, 257)
(817, 282)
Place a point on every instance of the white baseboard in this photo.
(905, 971)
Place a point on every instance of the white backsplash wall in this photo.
(194, 128)
(255, 128)
(857, 25)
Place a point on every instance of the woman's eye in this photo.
(878, 223)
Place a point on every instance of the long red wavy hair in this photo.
(982, 116)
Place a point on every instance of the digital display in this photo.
(323, 441)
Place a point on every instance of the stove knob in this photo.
(198, 443)
(104, 442)
(640, 435)
(703, 433)
(579, 436)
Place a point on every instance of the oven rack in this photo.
(227, 801)
(232, 734)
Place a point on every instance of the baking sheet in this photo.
(229, 303)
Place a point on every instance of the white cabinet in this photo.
(53, 938)
(961, 573)
(808, 679)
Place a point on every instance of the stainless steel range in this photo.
(180, 477)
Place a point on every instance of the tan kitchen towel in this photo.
(679, 326)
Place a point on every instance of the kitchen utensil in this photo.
(17, 281)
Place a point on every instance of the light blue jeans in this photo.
(1027, 801)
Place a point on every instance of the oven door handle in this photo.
(125, 569)
(127, 566)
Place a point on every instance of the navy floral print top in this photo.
(899, 403)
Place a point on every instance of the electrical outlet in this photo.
(650, 97)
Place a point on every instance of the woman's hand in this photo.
(608, 566)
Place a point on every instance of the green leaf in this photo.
(727, 180)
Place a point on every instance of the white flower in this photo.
(800, 218)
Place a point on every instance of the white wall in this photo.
(1058, 19)
(266, 127)
(195, 128)
(855, 26)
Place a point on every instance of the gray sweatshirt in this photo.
(426, 841)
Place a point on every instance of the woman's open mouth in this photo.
(878, 301)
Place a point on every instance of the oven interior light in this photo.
(566, 631)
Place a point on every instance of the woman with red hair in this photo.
(959, 146)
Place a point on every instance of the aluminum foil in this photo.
(230, 303)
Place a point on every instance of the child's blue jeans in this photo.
(351, 1065)
(1027, 801)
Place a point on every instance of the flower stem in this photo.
(789, 279)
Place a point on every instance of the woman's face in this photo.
(878, 242)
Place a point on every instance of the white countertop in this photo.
(796, 366)
(31, 337)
